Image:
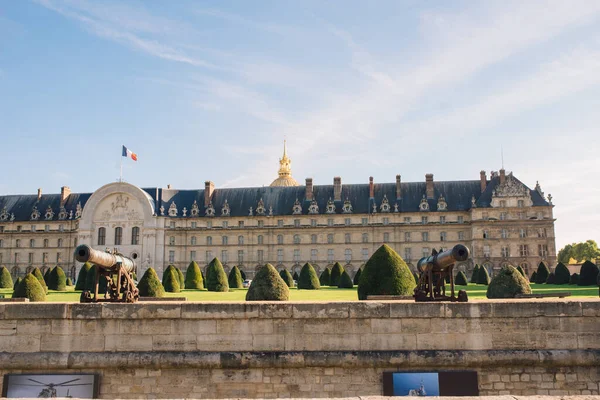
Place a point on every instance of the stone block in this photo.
(321, 310)
(387, 341)
(67, 343)
(590, 308)
(351, 326)
(99, 326)
(219, 310)
(543, 323)
(369, 309)
(454, 341)
(561, 341)
(35, 311)
(194, 326)
(85, 311)
(275, 310)
(244, 326)
(8, 328)
(503, 340)
(417, 310)
(468, 310)
(146, 327)
(268, 342)
(386, 325)
(416, 325)
(174, 342)
(20, 343)
(224, 342)
(66, 327)
(588, 340)
(580, 324)
(238, 376)
(141, 310)
(300, 326)
(127, 343)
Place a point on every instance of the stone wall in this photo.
(223, 350)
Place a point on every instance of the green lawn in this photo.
(324, 294)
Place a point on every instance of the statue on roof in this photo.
(285, 171)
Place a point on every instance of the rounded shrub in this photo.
(216, 279)
(551, 279)
(287, 277)
(574, 279)
(521, 271)
(267, 285)
(385, 273)
(357, 276)
(170, 280)
(58, 279)
(308, 278)
(562, 274)
(17, 283)
(533, 277)
(336, 271)
(30, 288)
(345, 282)
(588, 274)
(193, 277)
(150, 286)
(69, 282)
(38, 274)
(180, 277)
(542, 273)
(6, 281)
(460, 279)
(296, 276)
(235, 278)
(475, 274)
(325, 277)
(483, 277)
(507, 284)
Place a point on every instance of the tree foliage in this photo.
(216, 279)
(542, 273)
(551, 279)
(6, 281)
(588, 274)
(81, 277)
(30, 288)
(385, 273)
(507, 284)
(308, 278)
(170, 280)
(582, 251)
(345, 282)
(267, 285)
(234, 279)
(336, 271)
(296, 276)
(562, 276)
(574, 279)
(58, 279)
(149, 285)
(325, 278)
(460, 279)
(287, 277)
(193, 277)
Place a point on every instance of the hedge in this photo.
(58, 279)
(287, 277)
(385, 273)
(6, 281)
(325, 278)
(542, 273)
(30, 288)
(562, 274)
(345, 282)
(150, 286)
(483, 278)
(460, 279)
(80, 285)
(588, 274)
(267, 285)
(475, 274)
(507, 284)
(308, 278)
(234, 279)
(216, 279)
(357, 276)
(193, 277)
(336, 271)
(170, 280)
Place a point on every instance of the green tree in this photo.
(235, 278)
(58, 279)
(149, 285)
(460, 279)
(483, 277)
(170, 280)
(345, 282)
(216, 279)
(80, 285)
(325, 277)
(357, 276)
(588, 274)
(6, 281)
(267, 285)
(30, 288)
(475, 274)
(587, 250)
(193, 277)
(336, 271)
(287, 277)
(542, 273)
(385, 273)
(562, 274)
(507, 284)
(308, 278)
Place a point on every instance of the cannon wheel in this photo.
(86, 297)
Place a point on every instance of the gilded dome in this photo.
(285, 171)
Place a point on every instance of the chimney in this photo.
(337, 188)
(502, 176)
(65, 191)
(483, 180)
(209, 188)
(398, 190)
(39, 193)
(429, 185)
(168, 186)
(309, 189)
(371, 188)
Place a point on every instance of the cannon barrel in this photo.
(84, 253)
(445, 258)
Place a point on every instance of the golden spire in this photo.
(285, 171)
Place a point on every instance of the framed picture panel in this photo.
(430, 383)
(83, 386)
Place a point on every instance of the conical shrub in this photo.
(345, 282)
(170, 280)
(6, 281)
(542, 273)
(483, 277)
(193, 277)
(551, 279)
(58, 279)
(180, 277)
(243, 275)
(507, 284)
(574, 280)
(47, 277)
(357, 276)
(90, 281)
(30, 288)
(588, 274)
(287, 277)
(296, 276)
(17, 283)
(150, 286)
(460, 279)
(216, 279)
(38, 274)
(562, 276)
(235, 278)
(336, 271)
(69, 282)
(267, 285)
(308, 278)
(475, 274)
(521, 271)
(533, 277)
(385, 273)
(325, 278)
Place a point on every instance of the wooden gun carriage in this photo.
(435, 270)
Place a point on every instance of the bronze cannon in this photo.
(118, 271)
(433, 272)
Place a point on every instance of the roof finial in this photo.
(284, 149)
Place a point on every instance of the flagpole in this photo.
(121, 170)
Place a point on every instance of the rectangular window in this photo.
(209, 240)
(460, 219)
(30, 258)
(279, 239)
(426, 252)
(224, 256)
(330, 222)
(347, 238)
(240, 224)
(32, 228)
(209, 256)
(172, 225)
(47, 228)
(16, 257)
(192, 255)
(520, 203)
(18, 243)
(296, 255)
(135, 235)
(502, 216)
(502, 203)
(313, 255)
(461, 235)
(365, 221)
(524, 250)
(172, 241)
(407, 236)
(208, 224)
(485, 234)
(193, 240)
(313, 239)
(365, 254)
(58, 257)
(347, 221)
(1, 243)
(194, 225)
(261, 223)
(442, 236)
(423, 220)
(425, 236)
(542, 233)
(365, 238)
(225, 240)
(19, 227)
(1, 229)
(240, 240)
(279, 255)
(505, 251)
(330, 255)
(171, 256)
(543, 250)
(240, 256)
(442, 219)
(225, 224)
(260, 239)
(485, 216)
(386, 221)
(330, 238)
(521, 215)
(44, 258)
(486, 251)
(61, 228)
(407, 220)
(313, 223)
(408, 254)
(504, 234)
(297, 223)
(118, 235)
(386, 237)
(260, 256)
(523, 233)
(280, 223)
(348, 255)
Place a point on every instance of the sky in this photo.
(208, 90)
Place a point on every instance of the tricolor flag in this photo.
(129, 153)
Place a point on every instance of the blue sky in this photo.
(209, 90)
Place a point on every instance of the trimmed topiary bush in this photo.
(6, 281)
(296, 276)
(234, 279)
(287, 277)
(193, 277)
(325, 278)
(385, 273)
(149, 285)
(308, 278)
(243, 275)
(170, 280)
(561, 274)
(588, 274)
(30, 288)
(521, 271)
(267, 285)
(507, 284)
(38, 274)
(460, 279)
(345, 282)
(216, 279)
(69, 282)
(336, 271)
(58, 279)
(551, 279)
(17, 283)
(483, 277)
(574, 279)
(475, 274)
(542, 273)
(357, 276)
(47, 277)
(180, 277)
(533, 277)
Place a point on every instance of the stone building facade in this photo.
(498, 217)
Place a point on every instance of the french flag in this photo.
(129, 153)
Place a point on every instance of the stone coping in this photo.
(506, 397)
(302, 310)
(449, 359)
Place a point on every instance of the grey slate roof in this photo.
(457, 194)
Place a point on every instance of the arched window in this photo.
(60, 243)
(279, 239)
(193, 240)
(135, 235)
(296, 239)
(209, 241)
(260, 239)
(101, 237)
(118, 236)
(46, 241)
(32, 243)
